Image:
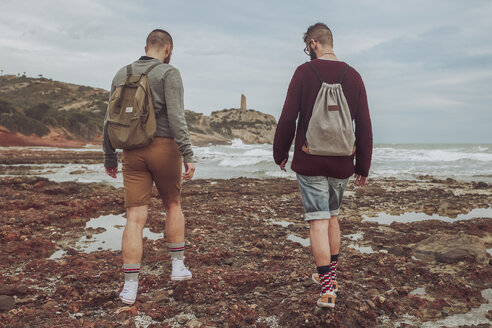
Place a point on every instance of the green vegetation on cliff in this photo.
(38, 120)
(34, 106)
(39, 105)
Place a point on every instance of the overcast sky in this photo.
(427, 65)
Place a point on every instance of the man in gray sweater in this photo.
(159, 162)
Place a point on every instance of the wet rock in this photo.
(371, 190)
(371, 304)
(13, 290)
(193, 324)
(249, 319)
(399, 250)
(444, 205)
(429, 314)
(449, 248)
(25, 300)
(182, 319)
(71, 251)
(159, 296)
(211, 310)
(122, 316)
(480, 185)
(256, 251)
(50, 305)
(77, 172)
(6, 303)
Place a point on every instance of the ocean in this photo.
(402, 161)
(463, 162)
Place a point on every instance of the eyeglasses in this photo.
(307, 50)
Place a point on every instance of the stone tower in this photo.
(243, 102)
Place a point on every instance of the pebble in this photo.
(193, 324)
(6, 303)
(182, 319)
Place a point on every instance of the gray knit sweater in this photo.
(167, 93)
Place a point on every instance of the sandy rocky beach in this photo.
(244, 247)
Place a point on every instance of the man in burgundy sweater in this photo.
(322, 179)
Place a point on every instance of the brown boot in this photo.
(315, 277)
(327, 300)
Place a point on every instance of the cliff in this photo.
(248, 125)
(221, 127)
(43, 112)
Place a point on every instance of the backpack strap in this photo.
(319, 76)
(343, 74)
(315, 72)
(129, 70)
(157, 114)
(151, 68)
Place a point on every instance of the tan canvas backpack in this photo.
(132, 118)
(330, 131)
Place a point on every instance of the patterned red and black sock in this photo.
(334, 266)
(325, 279)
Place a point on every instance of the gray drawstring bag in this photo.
(330, 131)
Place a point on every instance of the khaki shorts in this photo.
(160, 161)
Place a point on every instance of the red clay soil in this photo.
(9, 139)
(246, 271)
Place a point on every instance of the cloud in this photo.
(423, 63)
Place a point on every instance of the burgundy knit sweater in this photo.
(299, 102)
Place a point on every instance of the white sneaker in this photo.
(129, 293)
(180, 272)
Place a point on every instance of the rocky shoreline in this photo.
(244, 247)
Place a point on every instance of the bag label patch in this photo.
(129, 110)
(332, 108)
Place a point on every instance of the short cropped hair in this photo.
(319, 32)
(159, 38)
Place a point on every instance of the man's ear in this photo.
(145, 48)
(168, 49)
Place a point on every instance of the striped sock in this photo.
(131, 271)
(334, 266)
(177, 250)
(325, 279)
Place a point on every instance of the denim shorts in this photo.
(321, 196)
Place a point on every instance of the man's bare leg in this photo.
(320, 246)
(333, 239)
(334, 235)
(131, 248)
(175, 234)
(175, 222)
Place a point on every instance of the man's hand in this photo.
(111, 171)
(282, 165)
(189, 171)
(360, 181)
